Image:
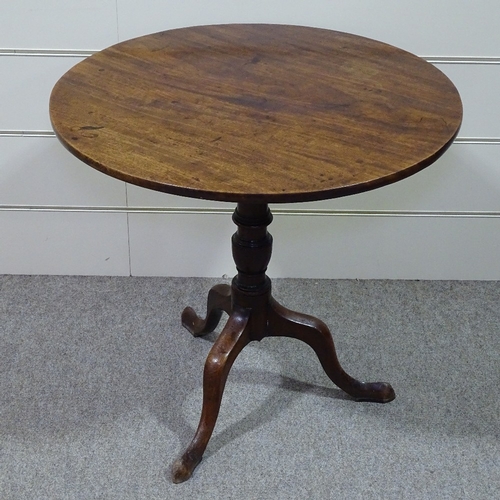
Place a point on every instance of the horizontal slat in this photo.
(426, 27)
(482, 60)
(64, 243)
(478, 140)
(39, 171)
(85, 24)
(46, 52)
(229, 211)
(322, 247)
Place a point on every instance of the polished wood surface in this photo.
(256, 113)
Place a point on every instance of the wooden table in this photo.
(256, 114)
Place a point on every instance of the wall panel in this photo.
(64, 243)
(58, 215)
(25, 90)
(427, 27)
(58, 24)
(322, 247)
(478, 85)
(180, 245)
(38, 171)
(387, 247)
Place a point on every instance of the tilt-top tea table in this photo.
(256, 114)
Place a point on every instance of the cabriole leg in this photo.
(231, 341)
(312, 331)
(219, 299)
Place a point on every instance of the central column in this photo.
(252, 247)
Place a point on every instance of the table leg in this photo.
(219, 299)
(254, 315)
(312, 331)
(228, 345)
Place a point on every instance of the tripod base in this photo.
(253, 315)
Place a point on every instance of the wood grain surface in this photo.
(256, 113)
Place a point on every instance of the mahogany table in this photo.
(256, 114)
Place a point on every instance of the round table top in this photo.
(256, 113)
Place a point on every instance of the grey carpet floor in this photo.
(101, 388)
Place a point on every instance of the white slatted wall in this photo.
(58, 216)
